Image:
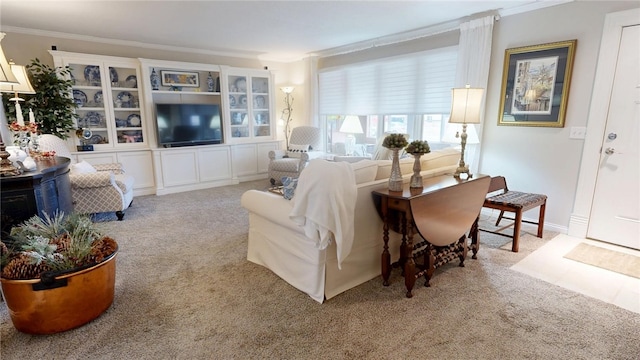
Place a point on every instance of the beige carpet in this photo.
(184, 290)
(612, 260)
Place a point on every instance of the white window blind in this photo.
(419, 83)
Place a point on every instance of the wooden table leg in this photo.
(404, 250)
(429, 263)
(386, 256)
(475, 243)
(410, 265)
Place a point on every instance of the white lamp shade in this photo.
(6, 75)
(465, 105)
(351, 125)
(287, 89)
(23, 86)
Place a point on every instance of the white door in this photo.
(615, 213)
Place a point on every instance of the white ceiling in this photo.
(270, 30)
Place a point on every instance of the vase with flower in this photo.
(417, 148)
(395, 143)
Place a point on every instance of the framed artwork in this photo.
(535, 84)
(179, 78)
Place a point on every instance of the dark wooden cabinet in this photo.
(43, 191)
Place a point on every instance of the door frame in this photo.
(597, 121)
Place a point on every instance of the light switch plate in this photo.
(578, 132)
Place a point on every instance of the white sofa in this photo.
(279, 244)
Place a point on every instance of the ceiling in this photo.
(270, 30)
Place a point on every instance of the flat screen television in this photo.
(188, 124)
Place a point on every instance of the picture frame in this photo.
(535, 84)
(179, 78)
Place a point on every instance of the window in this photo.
(408, 94)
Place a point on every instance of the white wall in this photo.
(545, 160)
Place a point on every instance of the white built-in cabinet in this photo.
(108, 96)
(118, 97)
(250, 104)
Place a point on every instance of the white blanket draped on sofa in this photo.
(324, 204)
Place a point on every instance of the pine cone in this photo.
(62, 242)
(102, 248)
(21, 268)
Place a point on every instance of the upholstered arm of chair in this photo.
(92, 180)
(277, 154)
(115, 167)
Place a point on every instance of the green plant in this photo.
(52, 104)
(418, 147)
(53, 244)
(394, 141)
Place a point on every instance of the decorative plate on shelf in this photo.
(96, 139)
(236, 118)
(93, 118)
(113, 74)
(98, 98)
(121, 123)
(243, 101)
(241, 84)
(79, 97)
(134, 120)
(92, 74)
(132, 81)
(125, 98)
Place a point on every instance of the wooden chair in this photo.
(515, 202)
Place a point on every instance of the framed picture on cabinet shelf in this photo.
(179, 78)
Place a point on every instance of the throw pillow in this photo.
(289, 187)
(83, 167)
(296, 150)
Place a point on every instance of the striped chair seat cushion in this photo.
(516, 199)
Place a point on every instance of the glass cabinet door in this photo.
(125, 98)
(238, 102)
(108, 102)
(261, 115)
(89, 95)
(249, 104)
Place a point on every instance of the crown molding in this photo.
(100, 40)
(435, 29)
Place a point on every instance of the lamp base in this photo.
(349, 145)
(6, 166)
(462, 170)
(462, 167)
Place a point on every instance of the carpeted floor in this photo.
(184, 290)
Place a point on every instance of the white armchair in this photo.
(103, 188)
(304, 145)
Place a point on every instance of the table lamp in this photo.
(23, 86)
(465, 109)
(6, 75)
(351, 125)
